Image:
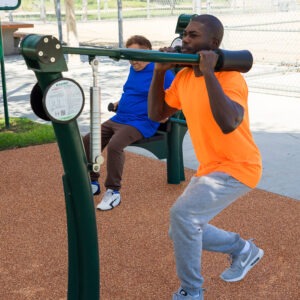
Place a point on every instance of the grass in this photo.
(23, 132)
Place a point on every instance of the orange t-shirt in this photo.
(234, 153)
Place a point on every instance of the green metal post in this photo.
(44, 56)
(5, 6)
(6, 116)
(175, 166)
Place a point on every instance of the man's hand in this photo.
(165, 66)
(207, 62)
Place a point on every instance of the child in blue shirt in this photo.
(131, 123)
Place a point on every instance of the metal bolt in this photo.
(96, 168)
(41, 53)
(52, 59)
(46, 40)
(57, 46)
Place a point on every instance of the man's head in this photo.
(204, 32)
(138, 42)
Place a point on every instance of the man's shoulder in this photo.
(229, 74)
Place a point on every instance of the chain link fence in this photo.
(270, 29)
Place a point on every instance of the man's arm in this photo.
(227, 113)
(158, 109)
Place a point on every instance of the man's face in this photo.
(138, 65)
(196, 38)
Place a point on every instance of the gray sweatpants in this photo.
(203, 199)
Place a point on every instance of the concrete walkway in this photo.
(275, 121)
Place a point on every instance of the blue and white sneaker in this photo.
(95, 187)
(110, 200)
(181, 294)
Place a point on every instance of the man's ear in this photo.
(215, 43)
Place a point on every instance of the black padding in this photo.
(36, 101)
(111, 107)
(240, 60)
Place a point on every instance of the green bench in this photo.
(167, 144)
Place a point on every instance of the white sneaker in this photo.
(95, 187)
(110, 200)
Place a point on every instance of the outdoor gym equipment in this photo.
(240, 60)
(95, 120)
(61, 100)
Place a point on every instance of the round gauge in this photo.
(177, 42)
(63, 100)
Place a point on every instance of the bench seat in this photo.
(167, 144)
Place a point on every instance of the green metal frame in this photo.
(84, 277)
(17, 3)
(3, 78)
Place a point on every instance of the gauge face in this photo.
(177, 42)
(63, 100)
(9, 4)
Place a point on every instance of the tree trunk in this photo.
(84, 10)
(72, 36)
(43, 11)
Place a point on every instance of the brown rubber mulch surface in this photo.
(136, 255)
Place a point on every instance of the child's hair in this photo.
(140, 40)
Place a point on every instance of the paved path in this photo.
(275, 119)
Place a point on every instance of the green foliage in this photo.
(23, 132)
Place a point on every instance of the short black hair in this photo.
(212, 23)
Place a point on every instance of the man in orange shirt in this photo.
(216, 112)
